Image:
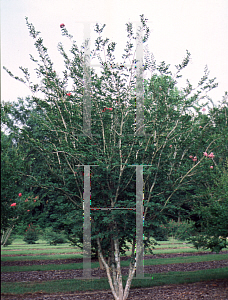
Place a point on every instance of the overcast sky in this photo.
(201, 26)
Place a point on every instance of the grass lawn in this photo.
(39, 251)
(20, 247)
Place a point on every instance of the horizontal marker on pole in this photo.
(110, 208)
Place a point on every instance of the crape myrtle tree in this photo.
(17, 200)
(212, 232)
(118, 138)
(210, 197)
(21, 165)
(10, 185)
(211, 130)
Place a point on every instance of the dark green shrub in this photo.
(54, 238)
(214, 243)
(180, 230)
(160, 233)
(31, 235)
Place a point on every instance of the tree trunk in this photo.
(115, 279)
(179, 218)
(6, 235)
(101, 265)
(2, 236)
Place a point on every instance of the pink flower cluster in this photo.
(193, 158)
(211, 155)
(106, 108)
(26, 200)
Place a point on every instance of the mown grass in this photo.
(72, 285)
(31, 252)
(48, 250)
(41, 246)
(42, 257)
(53, 252)
(65, 255)
(33, 249)
(19, 245)
(147, 262)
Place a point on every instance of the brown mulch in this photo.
(210, 290)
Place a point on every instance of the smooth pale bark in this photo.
(101, 265)
(6, 235)
(114, 271)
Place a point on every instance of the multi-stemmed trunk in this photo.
(6, 234)
(113, 269)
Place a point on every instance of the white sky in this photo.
(201, 26)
